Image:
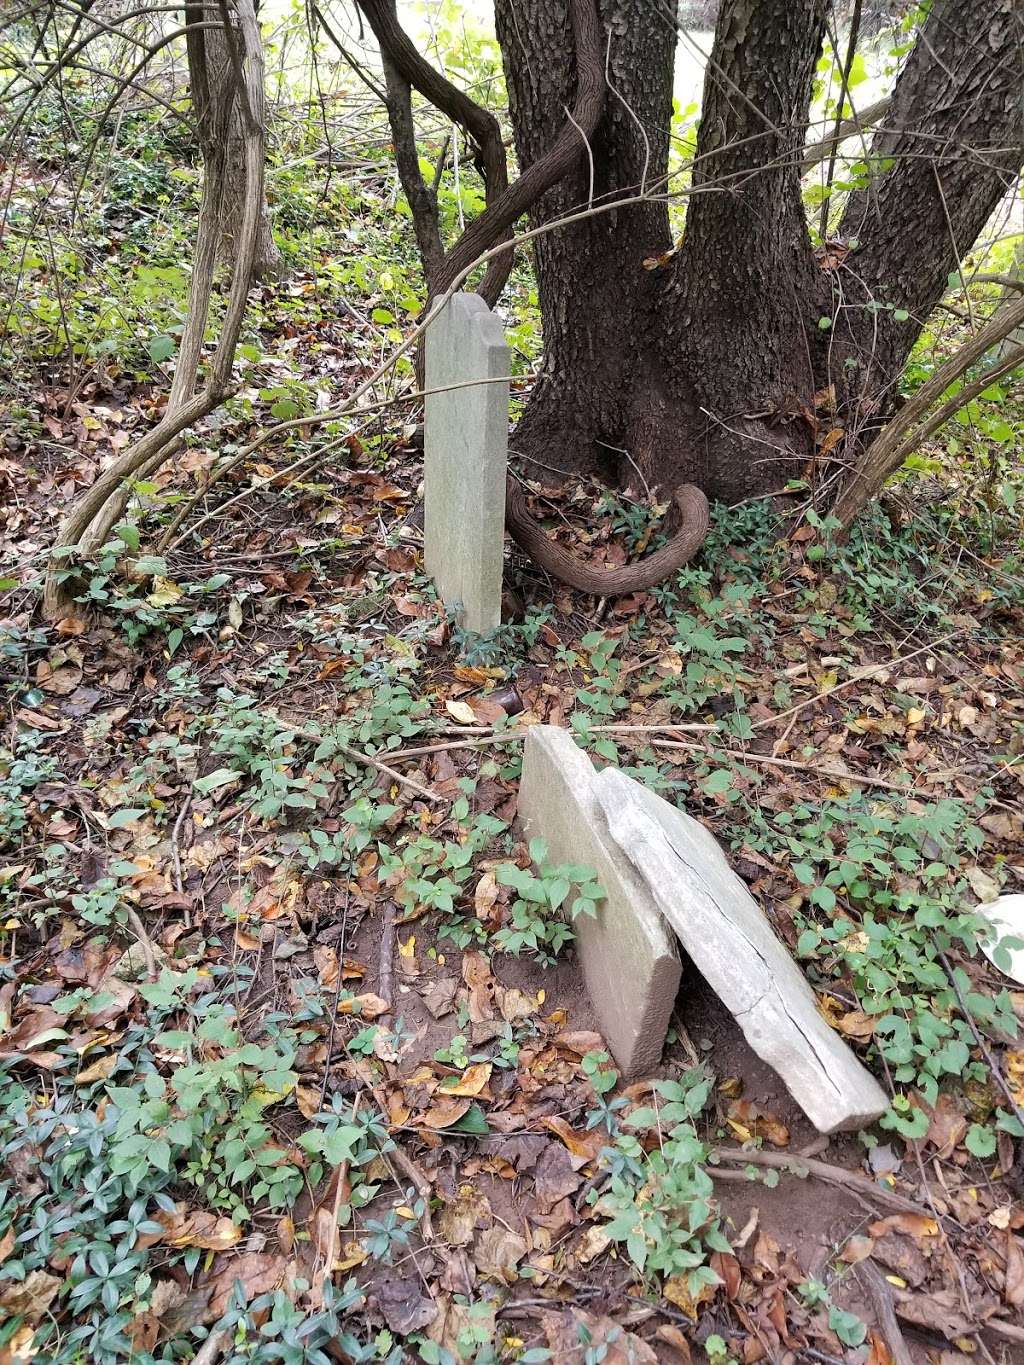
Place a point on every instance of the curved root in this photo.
(653, 568)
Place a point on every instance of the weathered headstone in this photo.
(629, 958)
(731, 943)
(465, 458)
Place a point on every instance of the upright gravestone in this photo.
(465, 459)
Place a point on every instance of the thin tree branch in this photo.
(903, 434)
(851, 52)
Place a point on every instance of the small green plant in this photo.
(537, 922)
(886, 891)
(207, 1120)
(848, 1327)
(660, 1204)
(718, 1351)
(601, 696)
(23, 768)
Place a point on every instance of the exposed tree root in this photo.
(692, 506)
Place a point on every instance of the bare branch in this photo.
(906, 431)
(93, 515)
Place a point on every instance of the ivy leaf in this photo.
(850, 1330)
(717, 782)
(120, 818)
(980, 1140)
(219, 778)
(472, 1121)
(161, 347)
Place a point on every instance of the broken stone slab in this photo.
(733, 946)
(629, 957)
(465, 460)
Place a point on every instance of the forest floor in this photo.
(289, 1048)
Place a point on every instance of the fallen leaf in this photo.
(554, 1176)
(404, 1305)
(857, 1249)
(581, 1042)
(676, 1290)
(473, 1080)
(485, 896)
(583, 1146)
(727, 1268)
(324, 1235)
(352, 1254)
(1013, 1291)
(916, 1225)
(983, 884)
(366, 1006)
(594, 1242)
(99, 1071)
(21, 1347)
(462, 1216)
(461, 712)
(31, 1297)
(947, 1126)
(258, 1272)
(193, 1228)
(748, 1120)
(515, 1005)
(148, 1328)
(606, 1340)
(937, 1312)
(857, 1025)
(444, 1112)
(676, 1349)
(878, 1351)
(476, 972)
(497, 1253)
(439, 997)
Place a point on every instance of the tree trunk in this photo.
(267, 261)
(954, 135)
(741, 303)
(595, 294)
(725, 363)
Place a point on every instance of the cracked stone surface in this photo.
(628, 954)
(731, 943)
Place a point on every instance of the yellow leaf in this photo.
(461, 712)
(472, 1081)
(915, 715)
(99, 1071)
(677, 1292)
(265, 1097)
(367, 1006)
(408, 948)
(164, 593)
(352, 1254)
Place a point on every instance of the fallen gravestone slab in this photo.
(465, 459)
(732, 944)
(629, 958)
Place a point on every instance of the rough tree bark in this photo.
(716, 365)
(713, 367)
(226, 111)
(596, 297)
